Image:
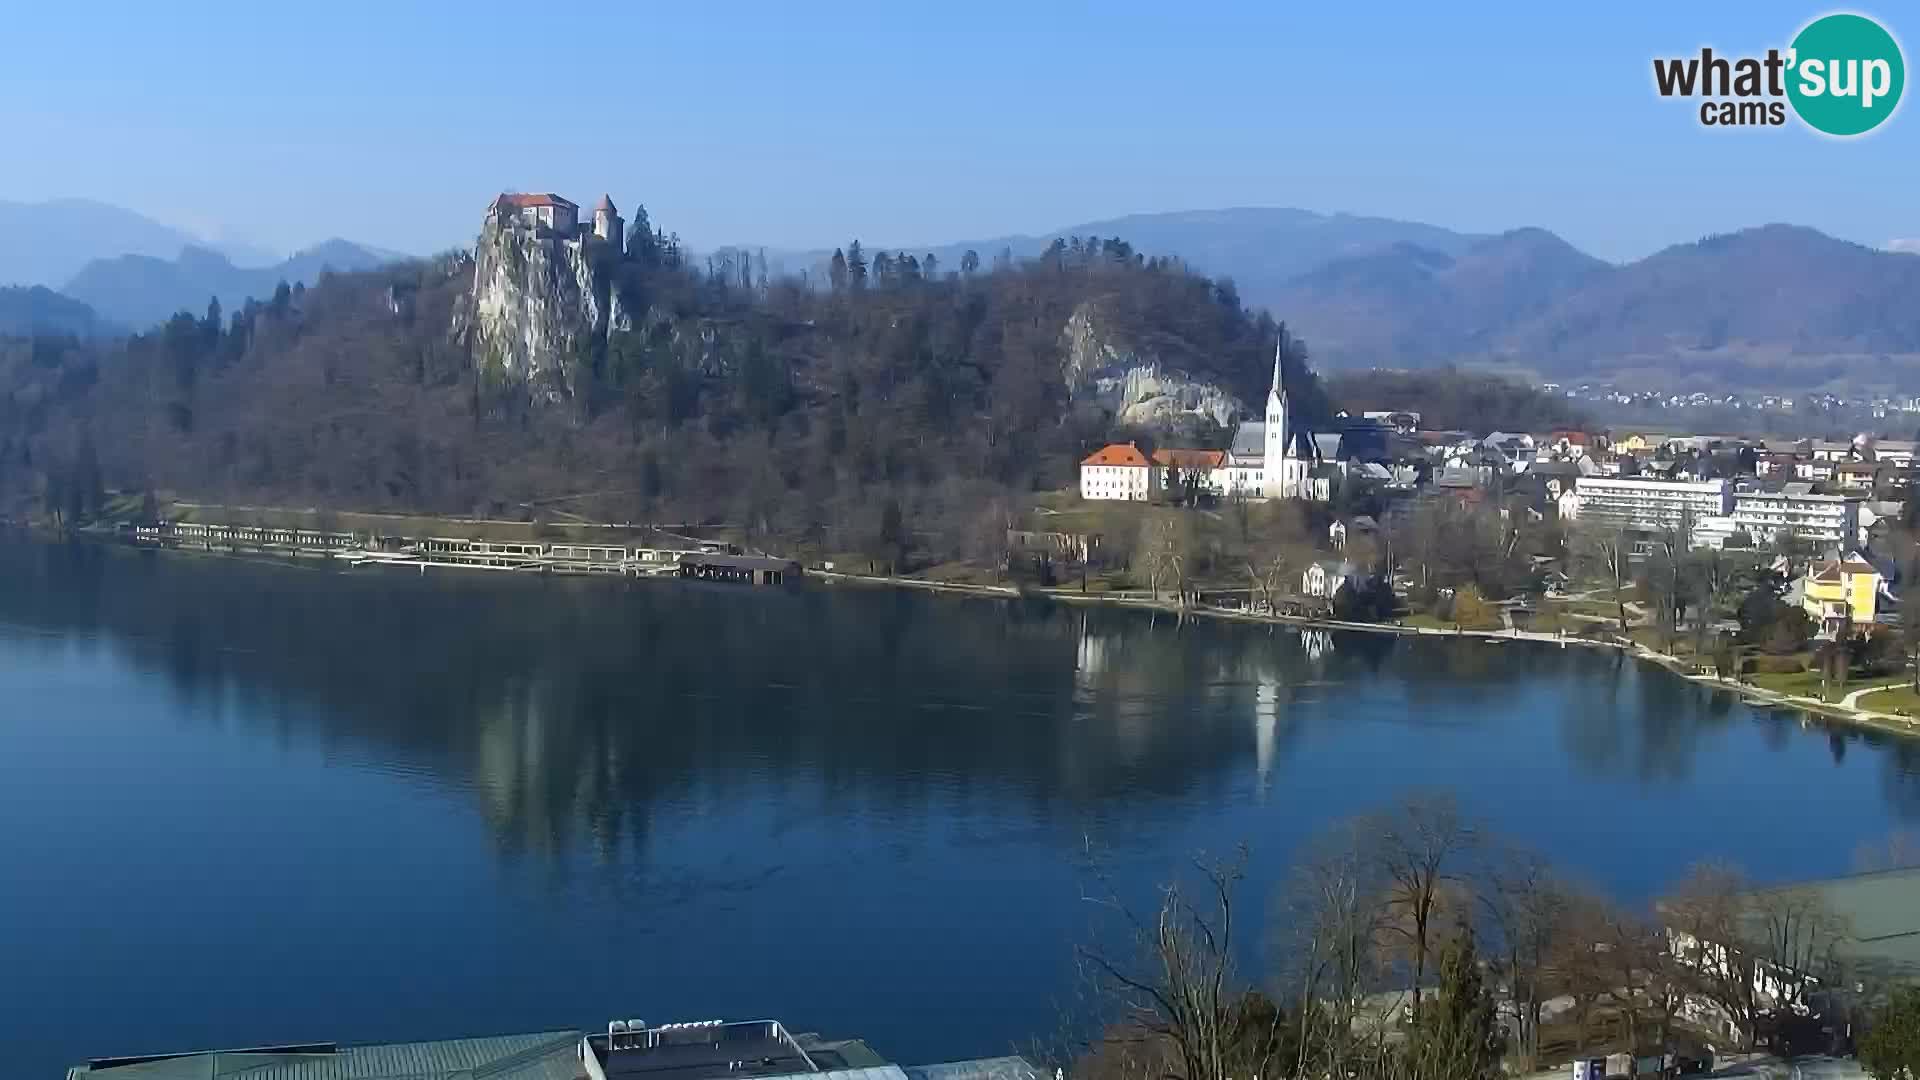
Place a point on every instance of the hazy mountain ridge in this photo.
(49, 242)
(1775, 305)
(141, 290)
(1778, 305)
(1260, 248)
(38, 311)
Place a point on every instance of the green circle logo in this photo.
(1846, 74)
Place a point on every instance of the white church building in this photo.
(1272, 458)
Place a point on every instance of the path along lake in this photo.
(244, 803)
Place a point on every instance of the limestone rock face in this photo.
(1136, 386)
(538, 311)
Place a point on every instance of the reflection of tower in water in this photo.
(1266, 721)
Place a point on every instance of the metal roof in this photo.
(549, 1055)
(995, 1068)
(1881, 911)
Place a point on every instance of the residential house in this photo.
(1898, 452)
(1568, 505)
(1119, 471)
(1323, 579)
(1514, 449)
(1206, 468)
(1567, 445)
(1839, 591)
(1856, 476)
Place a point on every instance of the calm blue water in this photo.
(243, 803)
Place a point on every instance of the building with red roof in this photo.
(1118, 471)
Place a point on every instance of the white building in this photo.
(1118, 471)
(1568, 504)
(1633, 503)
(1796, 510)
(1324, 578)
(1273, 457)
(1713, 531)
(1209, 466)
(545, 210)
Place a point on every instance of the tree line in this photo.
(1413, 945)
(798, 411)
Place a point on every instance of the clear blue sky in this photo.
(800, 125)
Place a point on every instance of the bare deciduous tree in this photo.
(1526, 909)
(1333, 914)
(1420, 848)
(1193, 1018)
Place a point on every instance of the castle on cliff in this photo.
(551, 213)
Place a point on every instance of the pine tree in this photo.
(1456, 1036)
(856, 266)
(837, 270)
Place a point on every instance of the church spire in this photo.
(1279, 387)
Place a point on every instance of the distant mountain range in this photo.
(1776, 306)
(49, 242)
(141, 290)
(135, 271)
(1260, 248)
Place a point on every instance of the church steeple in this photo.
(1279, 385)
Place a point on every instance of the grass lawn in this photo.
(964, 573)
(1899, 700)
(1425, 621)
(1604, 609)
(1801, 683)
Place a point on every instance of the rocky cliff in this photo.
(1103, 366)
(541, 307)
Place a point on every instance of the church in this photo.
(1273, 458)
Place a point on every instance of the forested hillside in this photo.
(907, 388)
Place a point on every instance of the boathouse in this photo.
(749, 569)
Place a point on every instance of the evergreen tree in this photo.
(643, 244)
(837, 271)
(1455, 1035)
(856, 266)
(969, 263)
(211, 326)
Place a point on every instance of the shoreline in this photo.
(1867, 719)
(1886, 723)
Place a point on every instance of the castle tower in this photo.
(1280, 466)
(607, 224)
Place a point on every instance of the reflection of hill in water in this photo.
(577, 709)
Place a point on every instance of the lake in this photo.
(244, 803)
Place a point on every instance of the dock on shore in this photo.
(712, 563)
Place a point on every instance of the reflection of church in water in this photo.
(1254, 679)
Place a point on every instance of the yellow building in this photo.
(1840, 590)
